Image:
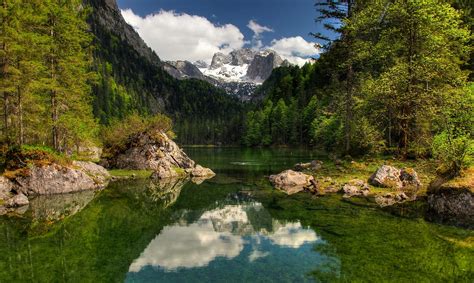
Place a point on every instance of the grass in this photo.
(363, 168)
(140, 174)
(465, 181)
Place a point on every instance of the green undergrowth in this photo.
(363, 168)
(17, 160)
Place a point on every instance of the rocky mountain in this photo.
(244, 65)
(239, 73)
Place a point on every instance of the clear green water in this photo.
(232, 228)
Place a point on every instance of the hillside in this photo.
(132, 78)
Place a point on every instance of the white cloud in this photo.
(294, 49)
(257, 31)
(177, 36)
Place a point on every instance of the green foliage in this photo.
(453, 146)
(326, 132)
(116, 136)
(384, 85)
(45, 74)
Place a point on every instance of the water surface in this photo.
(232, 228)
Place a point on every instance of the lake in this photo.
(232, 228)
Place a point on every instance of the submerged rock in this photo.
(355, 187)
(389, 199)
(17, 201)
(291, 182)
(200, 171)
(313, 165)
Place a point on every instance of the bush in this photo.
(116, 135)
(454, 152)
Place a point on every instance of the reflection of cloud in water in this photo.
(256, 254)
(292, 235)
(188, 246)
(218, 233)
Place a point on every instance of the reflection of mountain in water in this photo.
(223, 232)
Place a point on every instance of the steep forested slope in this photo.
(131, 78)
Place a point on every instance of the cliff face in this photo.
(107, 14)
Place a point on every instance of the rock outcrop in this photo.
(156, 151)
(49, 179)
(291, 182)
(59, 179)
(263, 64)
(452, 202)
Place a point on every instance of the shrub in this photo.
(117, 134)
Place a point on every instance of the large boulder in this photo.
(156, 151)
(99, 174)
(386, 177)
(149, 151)
(452, 202)
(291, 181)
(59, 179)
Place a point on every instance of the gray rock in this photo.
(409, 178)
(316, 164)
(58, 179)
(151, 152)
(242, 56)
(386, 177)
(291, 182)
(355, 187)
(200, 171)
(99, 174)
(302, 166)
(6, 186)
(452, 206)
(389, 199)
(17, 201)
(183, 70)
(263, 64)
(220, 59)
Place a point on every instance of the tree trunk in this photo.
(20, 118)
(54, 106)
(348, 110)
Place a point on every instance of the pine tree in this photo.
(68, 64)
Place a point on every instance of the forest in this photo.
(397, 79)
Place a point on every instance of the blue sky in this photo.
(195, 29)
